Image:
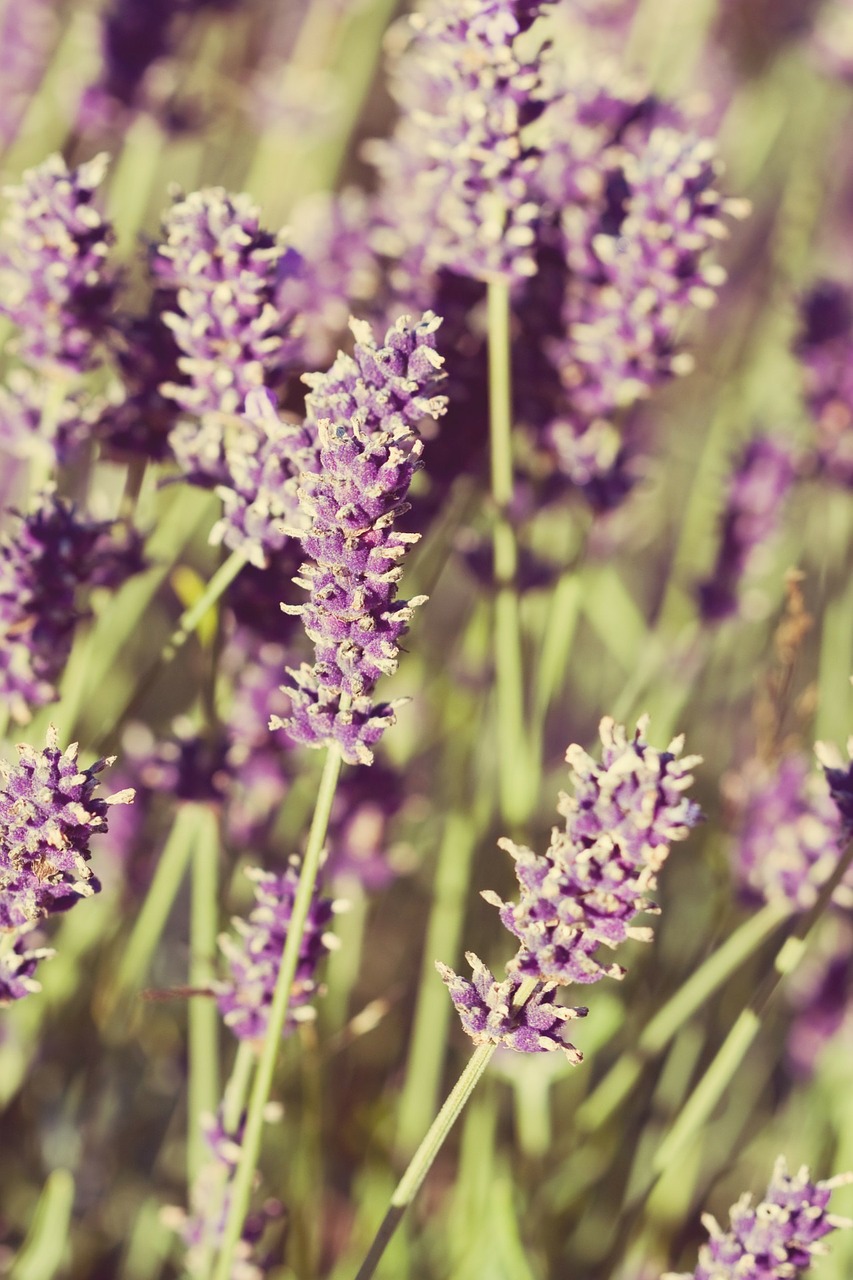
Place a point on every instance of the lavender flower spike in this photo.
(17, 966)
(839, 775)
(56, 282)
(225, 271)
(365, 407)
(776, 1239)
(48, 815)
(255, 958)
(585, 890)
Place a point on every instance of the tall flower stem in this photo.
(433, 1011)
(509, 668)
(657, 1034)
(151, 921)
(421, 1162)
(251, 1144)
(707, 1093)
(203, 1013)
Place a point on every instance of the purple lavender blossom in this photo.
(225, 271)
(585, 891)
(140, 423)
(254, 958)
(56, 282)
(43, 565)
(48, 814)
(266, 462)
(455, 177)
(761, 479)
(364, 408)
(789, 832)
(778, 1237)
(825, 349)
(18, 963)
(489, 1015)
(818, 994)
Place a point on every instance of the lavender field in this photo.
(426, 459)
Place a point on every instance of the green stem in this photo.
(509, 665)
(151, 921)
(251, 1144)
(44, 1248)
(216, 587)
(421, 1162)
(433, 1013)
(717, 1077)
(203, 1089)
(657, 1034)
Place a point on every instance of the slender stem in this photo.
(509, 667)
(43, 1250)
(434, 1010)
(151, 921)
(717, 1077)
(251, 1144)
(680, 1007)
(421, 1162)
(203, 1089)
(216, 587)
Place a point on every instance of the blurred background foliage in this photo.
(275, 97)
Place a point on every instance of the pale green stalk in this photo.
(719, 1074)
(132, 181)
(433, 1012)
(151, 921)
(203, 1089)
(509, 665)
(251, 1144)
(421, 1162)
(216, 587)
(43, 1252)
(596, 1109)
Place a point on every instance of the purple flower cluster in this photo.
(455, 177)
(839, 775)
(774, 1239)
(825, 349)
(594, 878)
(225, 272)
(364, 409)
(48, 815)
(56, 281)
(18, 963)
(789, 832)
(33, 425)
(254, 958)
(43, 565)
(760, 482)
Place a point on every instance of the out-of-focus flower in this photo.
(825, 348)
(585, 890)
(779, 1237)
(839, 775)
(254, 957)
(489, 1016)
(225, 271)
(339, 272)
(18, 963)
(43, 565)
(56, 280)
(27, 32)
(203, 1227)
(139, 419)
(34, 424)
(265, 462)
(48, 815)
(365, 409)
(761, 479)
(455, 176)
(789, 831)
(818, 993)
